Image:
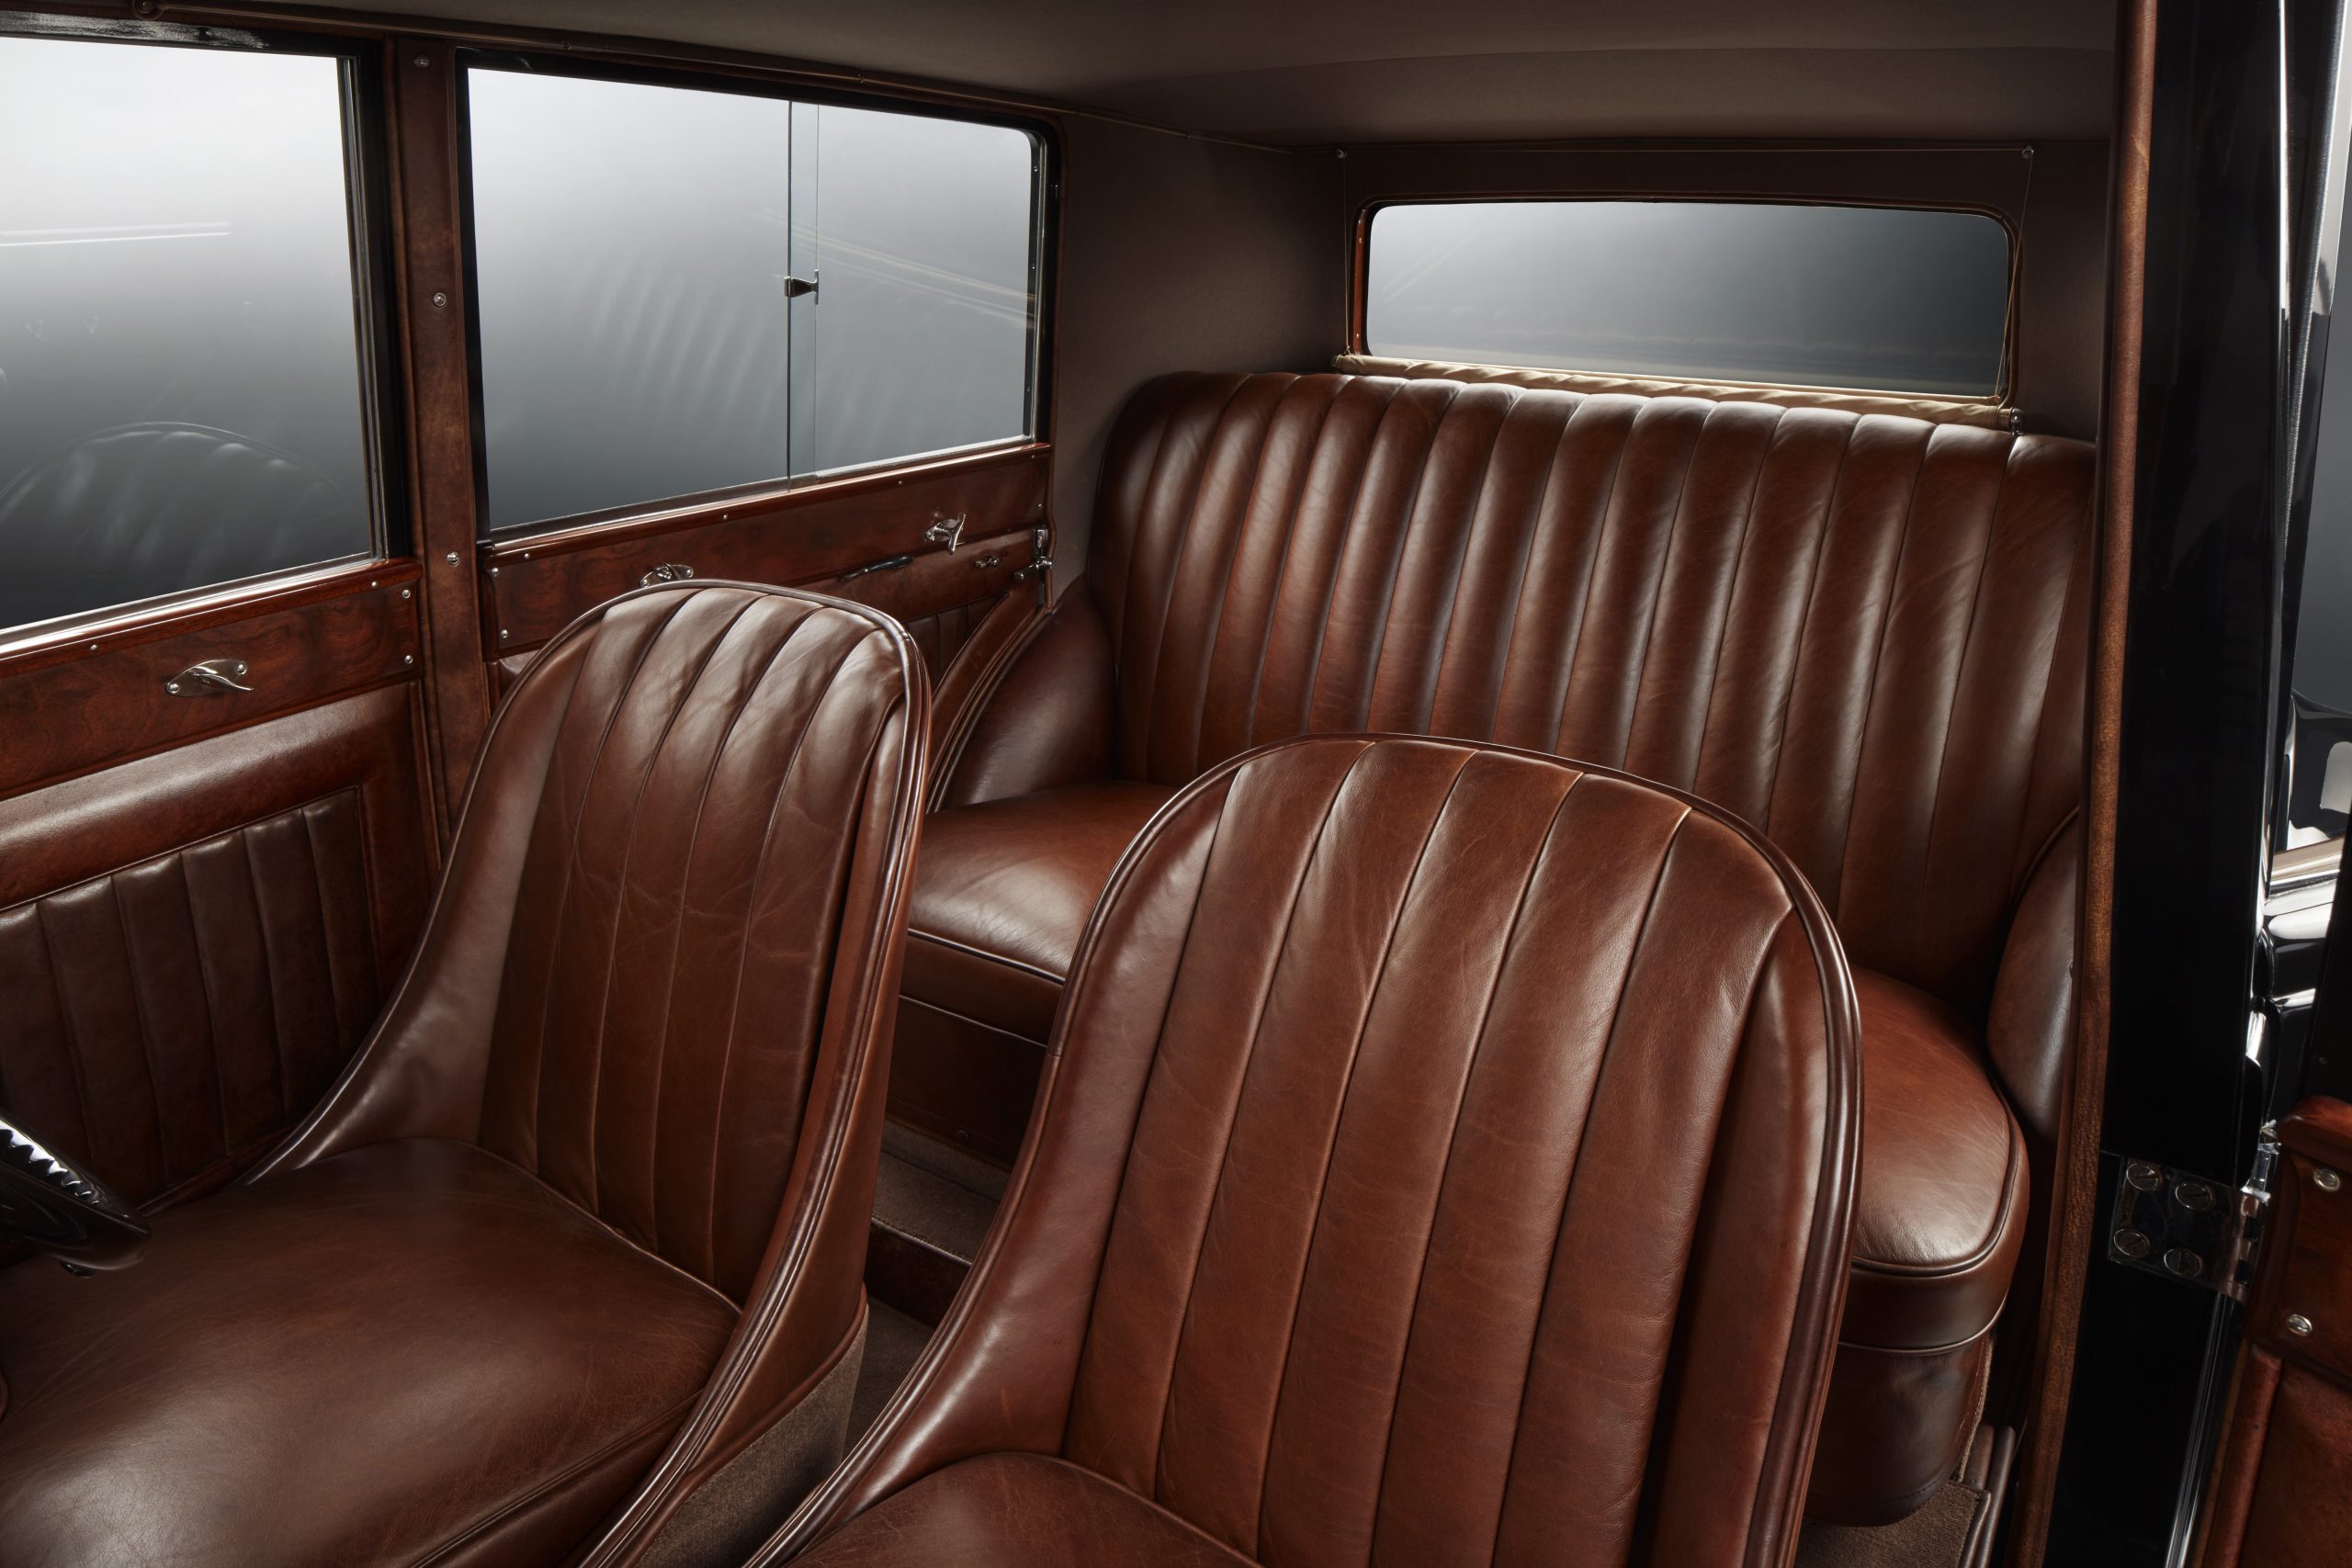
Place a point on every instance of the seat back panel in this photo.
(661, 1001)
(1861, 634)
(1453, 1034)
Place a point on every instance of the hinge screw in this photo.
(2298, 1324)
(2194, 1196)
(2327, 1179)
(2133, 1244)
(2143, 1175)
(2183, 1262)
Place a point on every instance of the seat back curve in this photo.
(1446, 1157)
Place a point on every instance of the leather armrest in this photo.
(2030, 1029)
(1047, 723)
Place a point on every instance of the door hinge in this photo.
(2191, 1228)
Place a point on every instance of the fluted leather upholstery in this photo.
(167, 1020)
(594, 1194)
(1445, 1157)
(1864, 635)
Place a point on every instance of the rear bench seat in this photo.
(1864, 635)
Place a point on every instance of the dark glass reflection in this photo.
(180, 399)
(2319, 801)
(632, 247)
(1870, 298)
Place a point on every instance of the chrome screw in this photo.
(503, 634)
(2183, 1262)
(405, 593)
(2298, 1324)
(2194, 1196)
(439, 299)
(2133, 1244)
(2327, 1179)
(2143, 1175)
(451, 558)
(408, 658)
(421, 61)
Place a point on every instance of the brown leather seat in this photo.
(592, 1202)
(1865, 637)
(1445, 1152)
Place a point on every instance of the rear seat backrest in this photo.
(1843, 630)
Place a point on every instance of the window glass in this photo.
(923, 317)
(181, 391)
(682, 291)
(1877, 298)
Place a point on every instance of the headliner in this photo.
(1317, 72)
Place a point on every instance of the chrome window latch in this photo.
(2191, 1228)
(948, 531)
(208, 678)
(668, 571)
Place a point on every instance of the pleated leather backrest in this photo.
(1864, 635)
(714, 755)
(1492, 1127)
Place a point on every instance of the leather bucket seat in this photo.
(1866, 636)
(1445, 1157)
(592, 1202)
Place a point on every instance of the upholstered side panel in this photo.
(170, 1017)
(939, 637)
(657, 1020)
(192, 945)
(1477, 1193)
(1862, 634)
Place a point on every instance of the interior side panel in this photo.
(198, 940)
(1180, 253)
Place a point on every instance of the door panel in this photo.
(2282, 1495)
(102, 697)
(193, 943)
(808, 537)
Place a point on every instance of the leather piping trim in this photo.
(553, 1484)
(1976, 1338)
(659, 1495)
(2004, 1222)
(1795, 1420)
(1014, 963)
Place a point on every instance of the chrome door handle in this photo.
(208, 678)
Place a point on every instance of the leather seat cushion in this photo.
(1002, 892)
(413, 1345)
(1017, 1511)
(1939, 1211)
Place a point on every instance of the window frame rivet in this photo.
(2298, 1324)
(2326, 1180)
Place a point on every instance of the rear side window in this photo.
(1864, 298)
(681, 292)
(183, 392)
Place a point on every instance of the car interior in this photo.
(1294, 785)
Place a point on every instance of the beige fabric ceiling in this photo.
(1319, 72)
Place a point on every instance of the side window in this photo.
(184, 387)
(680, 291)
(1866, 298)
